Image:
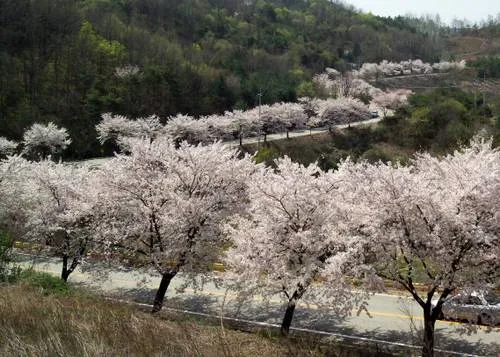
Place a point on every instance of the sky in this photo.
(472, 10)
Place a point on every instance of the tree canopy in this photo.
(69, 61)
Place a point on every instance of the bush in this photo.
(45, 282)
(267, 154)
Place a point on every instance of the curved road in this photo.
(390, 315)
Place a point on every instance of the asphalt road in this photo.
(297, 133)
(390, 319)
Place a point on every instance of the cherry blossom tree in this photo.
(326, 84)
(221, 127)
(294, 117)
(59, 201)
(392, 100)
(294, 232)
(9, 210)
(127, 71)
(44, 140)
(445, 66)
(332, 112)
(165, 205)
(7, 147)
(342, 111)
(370, 71)
(186, 128)
(281, 117)
(114, 127)
(361, 89)
(436, 221)
(247, 123)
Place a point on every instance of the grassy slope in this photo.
(34, 324)
(328, 149)
(39, 317)
(469, 47)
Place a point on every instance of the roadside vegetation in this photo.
(65, 321)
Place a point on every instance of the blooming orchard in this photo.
(177, 207)
(263, 120)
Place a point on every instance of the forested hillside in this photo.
(68, 61)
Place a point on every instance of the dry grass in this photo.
(36, 324)
(466, 44)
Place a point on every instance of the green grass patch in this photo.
(45, 283)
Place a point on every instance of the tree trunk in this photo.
(287, 134)
(65, 272)
(162, 289)
(429, 325)
(287, 319)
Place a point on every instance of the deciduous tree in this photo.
(7, 147)
(435, 222)
(60, 202)
(165, 205)
(295, 231)
(43, 140)
(113, 127)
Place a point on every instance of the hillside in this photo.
(68, 61)
(474, 42)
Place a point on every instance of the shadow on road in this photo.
(305, 318)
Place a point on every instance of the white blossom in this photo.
(435, 221)
(7, 147)
(45, 140)
(342, 111)
(113, 127)
(392, 100)
(12, 171)
(59, 201)
(186, 128)
(294, 232)
(165, 205)
(445, 66)
(127, 71)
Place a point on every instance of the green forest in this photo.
(68, 61)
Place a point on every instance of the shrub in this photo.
(45, 282)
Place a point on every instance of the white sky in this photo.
(472, 10)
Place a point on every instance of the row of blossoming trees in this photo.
(389, 69)
(291, 230)
(259, 121)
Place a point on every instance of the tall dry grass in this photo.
(36, 324)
